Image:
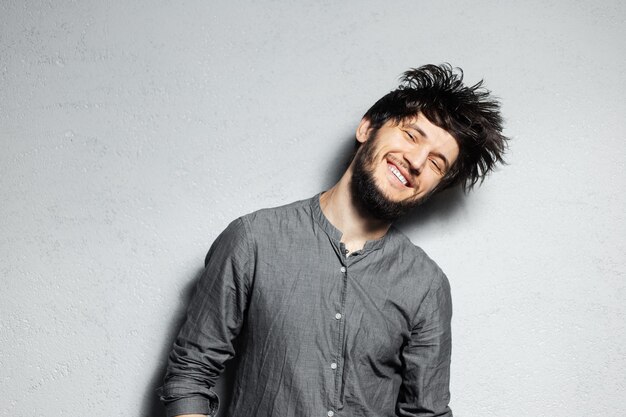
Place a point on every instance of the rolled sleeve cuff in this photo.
(193, 405)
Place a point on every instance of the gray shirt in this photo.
(320, 333)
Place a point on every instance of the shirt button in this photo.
(330, 413)
(333, 365)
(343, 269)
(338, 316)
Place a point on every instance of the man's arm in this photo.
(214, 318)
(425, 390)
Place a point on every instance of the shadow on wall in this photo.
(439, 207)
(336, 167)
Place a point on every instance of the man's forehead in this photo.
(422, 123)
(417, 119)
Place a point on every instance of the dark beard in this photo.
(365, 193)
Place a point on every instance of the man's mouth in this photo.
(395, 171)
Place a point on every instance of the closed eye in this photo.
(437, 166)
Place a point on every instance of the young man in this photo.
(336, 312)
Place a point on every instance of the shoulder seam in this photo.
(248, 235)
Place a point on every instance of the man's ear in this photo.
(363, 131)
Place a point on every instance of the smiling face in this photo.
(398, 166)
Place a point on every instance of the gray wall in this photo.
(133, 132)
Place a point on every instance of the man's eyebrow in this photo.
(419, 129)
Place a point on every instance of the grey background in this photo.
(132, 133)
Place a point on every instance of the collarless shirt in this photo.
(318, 333)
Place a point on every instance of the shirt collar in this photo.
(335, 234)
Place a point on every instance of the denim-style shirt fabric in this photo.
(320, 333)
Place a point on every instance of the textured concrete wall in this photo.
(133, 132)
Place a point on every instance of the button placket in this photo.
(338, 352)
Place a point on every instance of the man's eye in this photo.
(436, 165)
(410, 135)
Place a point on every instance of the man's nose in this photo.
(417, 158)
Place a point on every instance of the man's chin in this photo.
(382, 207)
(376, 199)
(394, 199)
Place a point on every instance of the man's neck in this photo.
(355, 225)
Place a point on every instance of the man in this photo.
(336, 312)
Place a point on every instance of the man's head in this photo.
(431, 133)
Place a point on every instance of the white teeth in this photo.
(398, 174)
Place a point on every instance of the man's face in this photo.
(398, 166)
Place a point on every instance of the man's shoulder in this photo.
(417, 257)
(279, 216)
(282, 209)
(266, 225)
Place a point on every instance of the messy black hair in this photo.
(469, 113)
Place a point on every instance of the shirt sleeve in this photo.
(214, 318)
(425, 390)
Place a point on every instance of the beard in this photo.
(367, 195)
